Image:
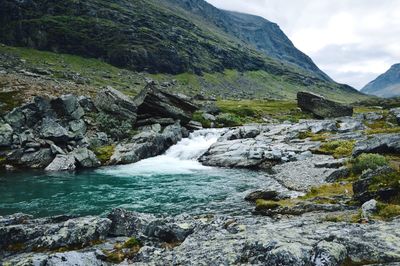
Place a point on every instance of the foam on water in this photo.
(179, 159)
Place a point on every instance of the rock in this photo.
(349, 125)
(68, 106)
(147, 144)
(85, 158)
(322, 126)
(153, 120)
(194, 125)
(396, 113)
(167, 232)
(35, 160)
(78, 128)
(322, 107)
(209, 117)
(116, 103)
(56, 150)
(128, 223)
(334, 163)
(361, 190)
(87, 104)
(382, 143)
(340, 173)
(265, 195)
(153, 102)
(372, 116)
(6, 133)
(329, 254)
(62, 163)
(52, 130)
(98, 139)
(368, 209)
(23, 117)
(155, 128)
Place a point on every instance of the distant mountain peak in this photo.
(385, 85)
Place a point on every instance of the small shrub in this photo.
(116, 128)
(104, 153)
(131, 242)
(368, 161)
(198, 116)
(387, 211)
(338, 148)
(229, 120)
(329, 190)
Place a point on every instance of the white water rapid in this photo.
(178, 159)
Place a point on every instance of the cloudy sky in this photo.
(353, 41)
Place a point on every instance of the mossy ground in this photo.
(104, 153)
(123, 251)
(337, 148)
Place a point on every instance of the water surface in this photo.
(172, 183)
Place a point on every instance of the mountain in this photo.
(386, 85)
(259, 33)
(222, 53)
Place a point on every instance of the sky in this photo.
(353, 41)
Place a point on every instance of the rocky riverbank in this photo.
(341, 204)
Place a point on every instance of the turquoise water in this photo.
(172, 183)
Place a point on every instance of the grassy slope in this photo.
(231, 84)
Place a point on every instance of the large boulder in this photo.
(23, 117)
(85, 158)
(62, 163)
(382, 143)
(147, 144)
(396, 113)
(116, 103)
(153, 102)
(6, 132)
(321, 107)
(52, 130)
(36, 160)
(68, 106)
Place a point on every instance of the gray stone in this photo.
(62, 163)
(35, 160)
(209, 117)
(337, 174)
(78, 127)
(382, 143)
(322, 107)
(52, 130)
(85, 158)
(128, 223)
(87, 104)
(154, 127)
(6, 133)
(265, 195)
(68, 106)
(194, 125)
(368, 209)
(116, 103)
(329, 254)
(56, 150)
(153, 102)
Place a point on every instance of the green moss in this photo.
(104, 153)
(387, 211)
(337, 148)
(383, 130)
(198, 116)
(330, 190)
(268, 204)
(229, 120)
(367, 161)
(131, 242)
(314, 136)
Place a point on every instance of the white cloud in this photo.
(351, 40)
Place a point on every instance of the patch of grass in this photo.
(330, 190)
(131, 242)
(387, 211)
(314, 136)
(198, 116)
(391, 180)
(104, 153)
(383, 130)
(16, 247)
(229, 120)
(324, 194)
(9, 100)
(367, 161)
(337, 148)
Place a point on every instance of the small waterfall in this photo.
(178, 159)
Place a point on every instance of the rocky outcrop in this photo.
(153, 102)
(62, 163)
(147, 144)
(396, 113)
(322, 107)
(114, 102)
(382, 143)
(6, 133)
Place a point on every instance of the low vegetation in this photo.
(314, 136)
(104, 153)
(367, 161)
(387, 211)
(123, 251)
(116, 128)
(337, 148)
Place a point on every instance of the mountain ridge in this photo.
(385, 85)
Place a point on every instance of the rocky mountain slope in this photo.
(255, 31)
(162, 38)
(386, 85)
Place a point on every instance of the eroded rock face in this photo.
(382, 143)
(147, 144)
(6, 133)
(322, 107)
(62, 162)
(153, 102)
(116, 103)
